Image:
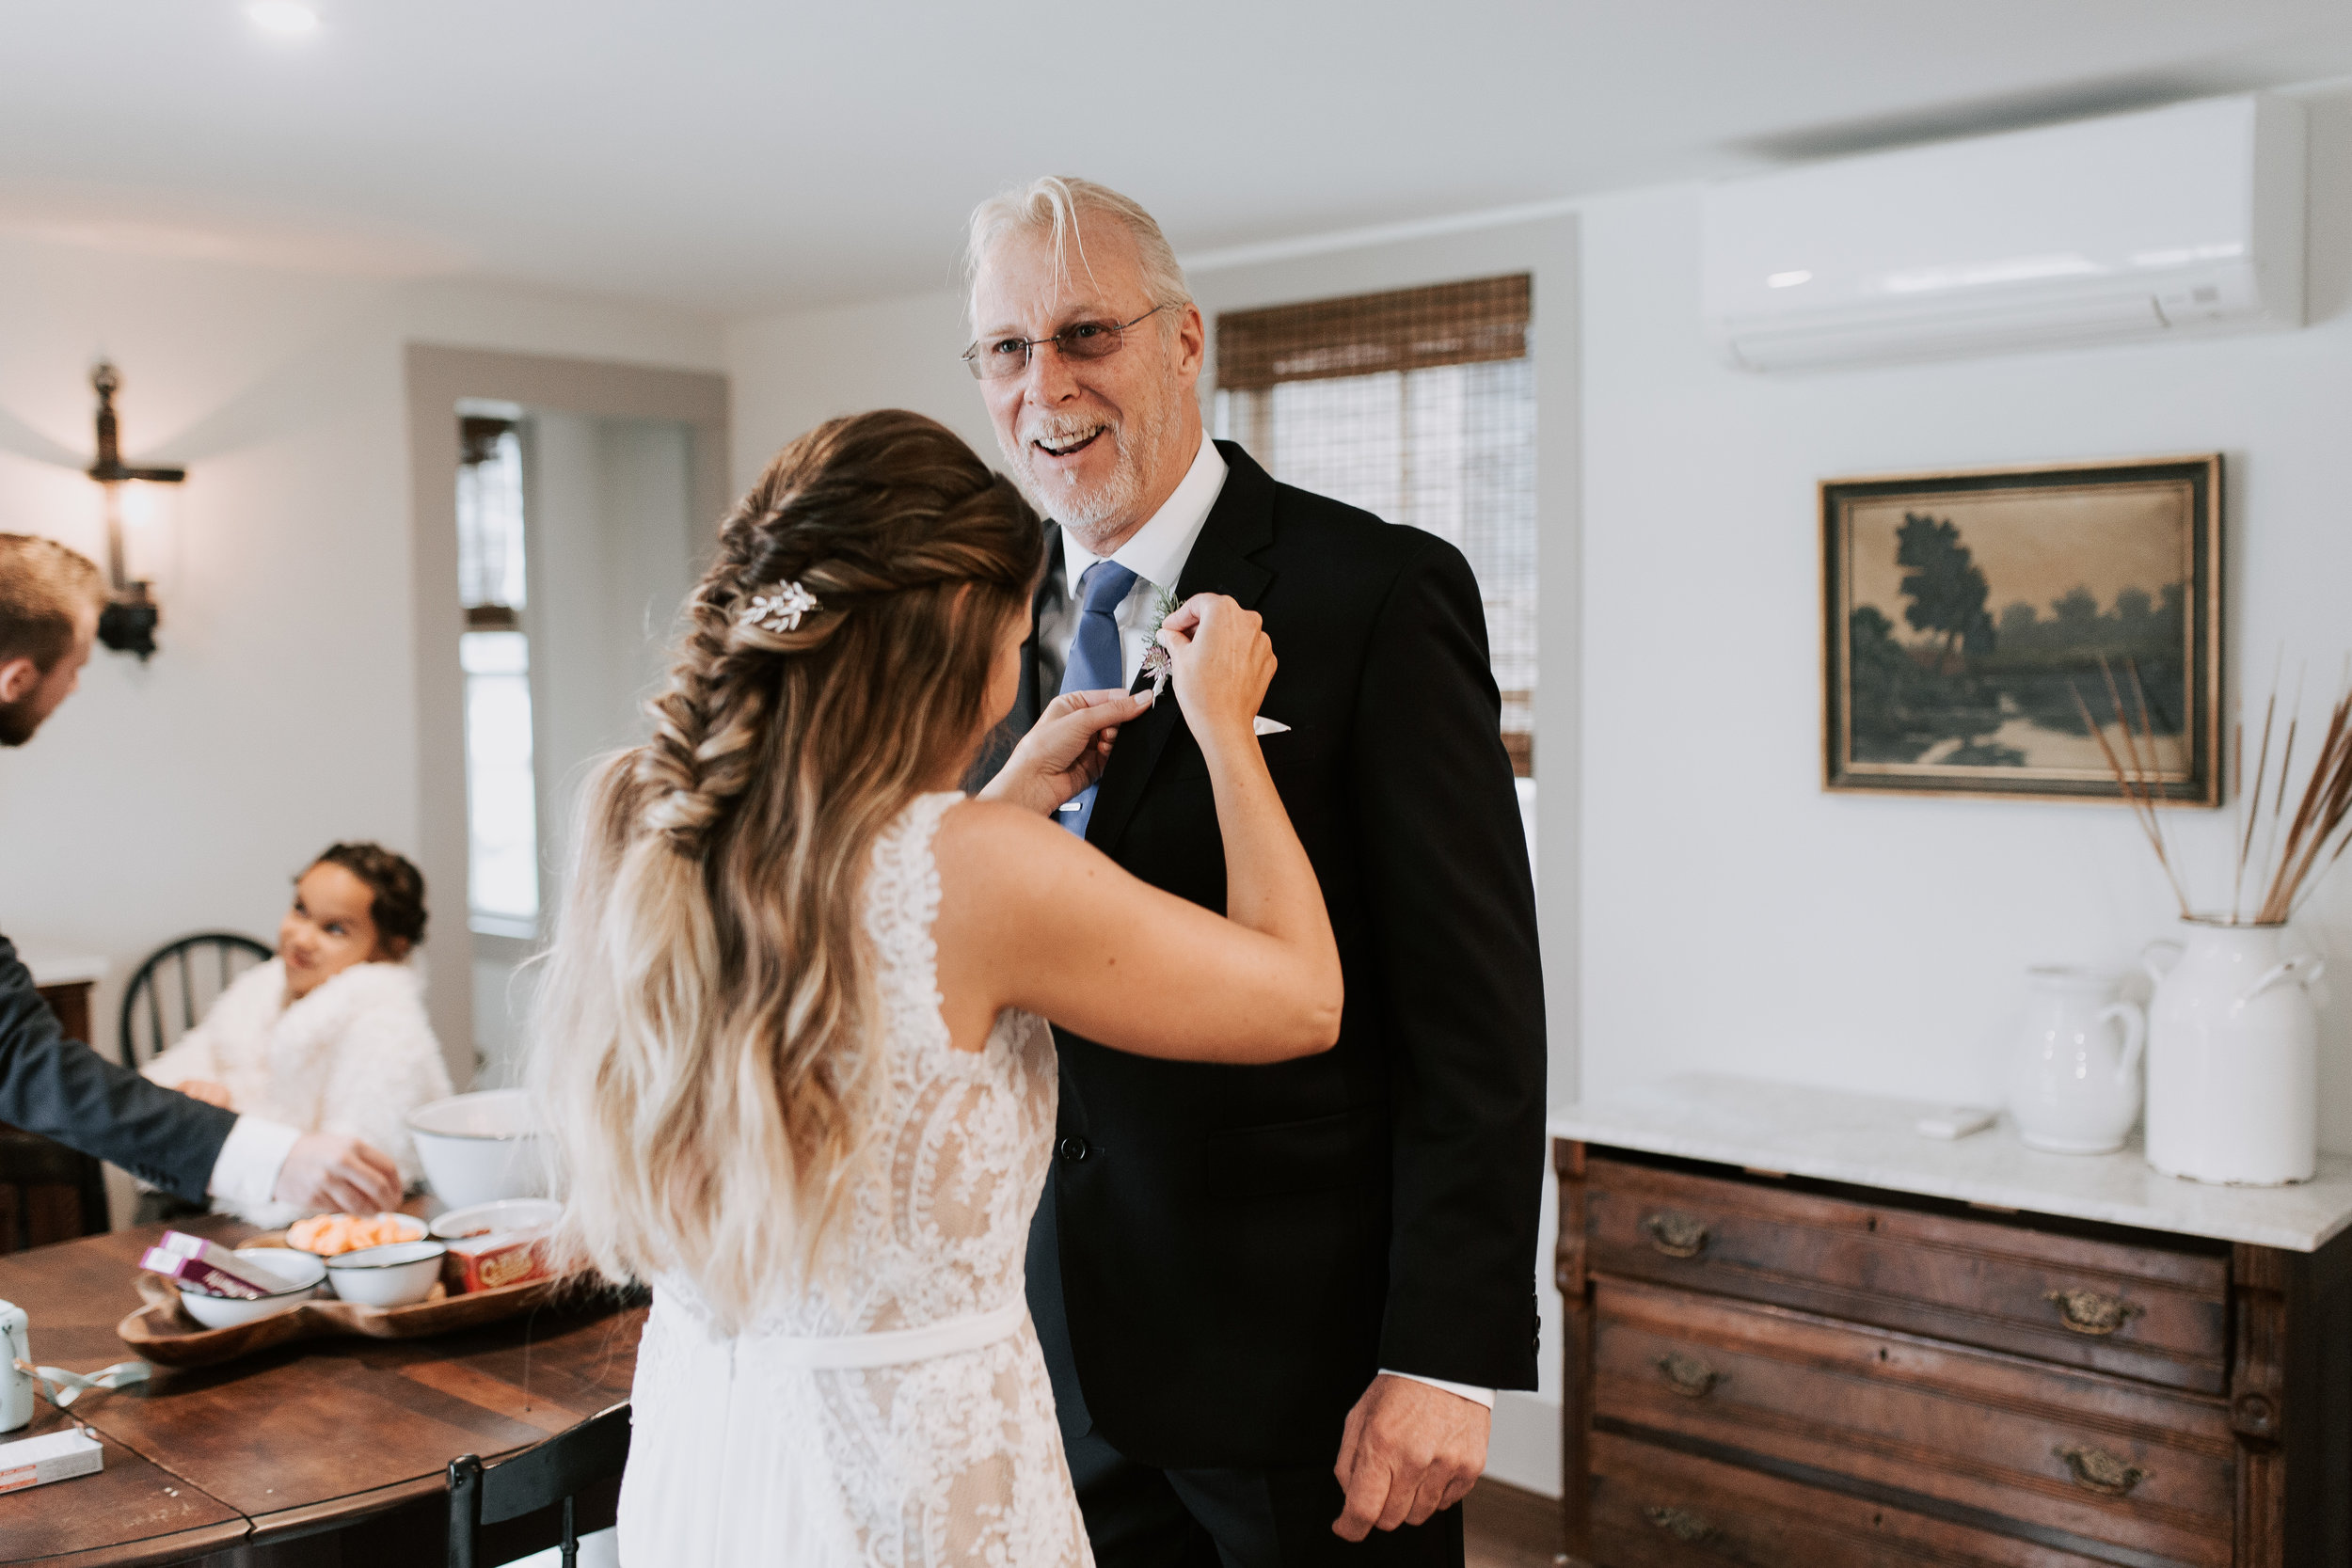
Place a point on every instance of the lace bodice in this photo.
(743, 1456)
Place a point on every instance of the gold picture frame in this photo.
(1970, 620)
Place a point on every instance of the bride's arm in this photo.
(1031, 916)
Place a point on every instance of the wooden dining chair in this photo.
(177, 984)
(557, 1470)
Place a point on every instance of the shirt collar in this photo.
(1157, 552)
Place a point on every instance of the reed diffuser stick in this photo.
(2238, 830)
(2144, 811)
(2298, 848)
(2326, 801)
(2270, 711)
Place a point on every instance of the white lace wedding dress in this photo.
(899, 1418)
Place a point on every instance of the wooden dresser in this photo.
(49, 1192)
(1801, 1335)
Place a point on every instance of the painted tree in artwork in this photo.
(1946, 588)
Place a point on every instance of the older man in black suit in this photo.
(1243, 1274)
(50, 599)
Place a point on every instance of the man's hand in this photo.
(334, 1170)
(1065, 750)
(1407, 1451)
(207, 1091)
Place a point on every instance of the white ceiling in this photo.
(732, 155)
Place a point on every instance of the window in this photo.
(502, 791)
(1419, 407)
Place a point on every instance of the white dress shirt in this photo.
(1157, 553)
(245, 1175)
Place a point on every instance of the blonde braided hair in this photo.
(707, 1025)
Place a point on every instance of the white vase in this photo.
(2073, 1083)
(2232, 1057)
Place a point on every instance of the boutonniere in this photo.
(1157, 660)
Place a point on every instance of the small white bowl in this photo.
(400, 1274)
(229, 1311)
(517, 1216)
(481, 1148)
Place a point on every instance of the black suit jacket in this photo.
(63, 1089)
(1243, 1248)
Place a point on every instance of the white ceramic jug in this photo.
(16, 1386)
(2074, 1084)
(2232, 1057)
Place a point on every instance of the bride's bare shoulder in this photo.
(988, 841)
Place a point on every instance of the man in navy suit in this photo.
(1276, 1302)
(50, 599)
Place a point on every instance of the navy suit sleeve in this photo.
(64, 1091)
(1452, 904)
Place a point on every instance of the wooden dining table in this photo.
(326, 1453)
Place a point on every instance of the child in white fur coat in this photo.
(331, 1034)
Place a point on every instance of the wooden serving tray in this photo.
(163, 1332)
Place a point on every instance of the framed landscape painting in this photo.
(1973, 622)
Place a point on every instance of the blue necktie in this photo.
(1096, 664)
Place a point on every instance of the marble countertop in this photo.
(1870, 1142)
(63, 968)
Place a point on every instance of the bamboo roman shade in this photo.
(1417, 405)
(1471, 322)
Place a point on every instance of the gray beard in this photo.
(1094, 513)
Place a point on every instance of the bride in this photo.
(794, 1043)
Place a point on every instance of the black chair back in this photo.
(555, 1471)
(176, 986)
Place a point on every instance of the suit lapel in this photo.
(1239, 525)
(1036, 689)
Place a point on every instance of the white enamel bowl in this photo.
(229, 1311)
(481, 1148)
(400, 1274)
(511, 1216)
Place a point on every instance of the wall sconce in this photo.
(128, 623)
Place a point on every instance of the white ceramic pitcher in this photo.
(2073, 1084)
(2232, 1057)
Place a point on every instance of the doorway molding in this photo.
(439, 378)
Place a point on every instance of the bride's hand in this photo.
(1065, 750)
(1223, 662)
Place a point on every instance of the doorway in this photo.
(565, 508)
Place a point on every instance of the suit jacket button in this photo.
(1074, 1149)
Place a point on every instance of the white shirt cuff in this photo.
(245, 1174)
(1462, 1391)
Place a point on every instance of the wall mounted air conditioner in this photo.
(2187, 219)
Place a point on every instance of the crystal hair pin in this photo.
(779, 606)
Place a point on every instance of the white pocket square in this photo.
(1262, 726)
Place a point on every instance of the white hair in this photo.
(1053, 206)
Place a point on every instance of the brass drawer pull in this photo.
(2090, 1312)
(1676, 1235)
(2097, 1471)
(1683, 1525)
(1689, 1376)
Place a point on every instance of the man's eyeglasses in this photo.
(1002, 356)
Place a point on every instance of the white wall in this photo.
(1736, 918)
(280, 713)
(615, 551)
(791, 371)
